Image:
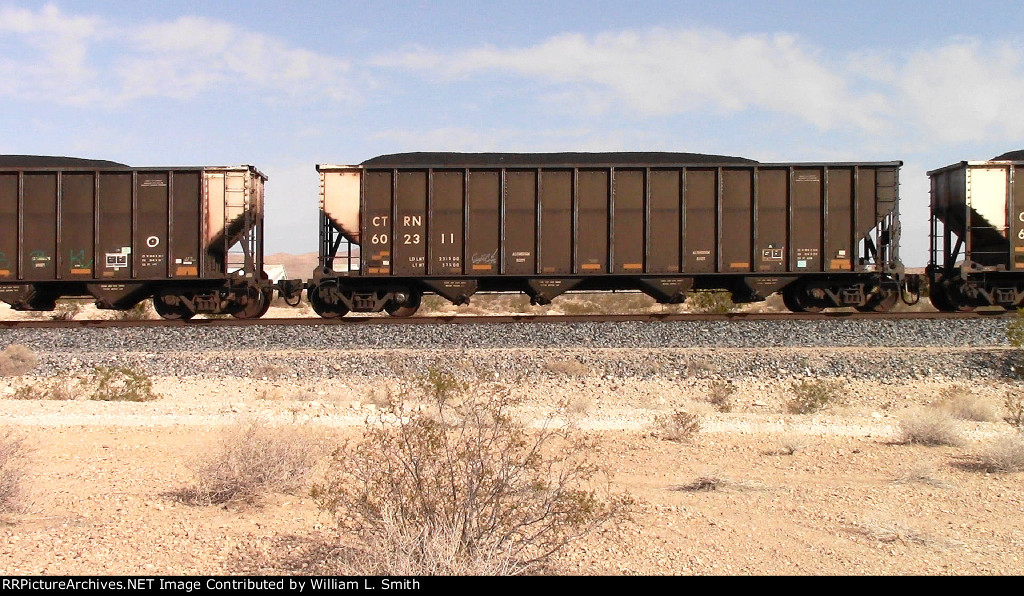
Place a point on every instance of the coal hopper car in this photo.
(977, 234)
(190, 238)
(398, 226)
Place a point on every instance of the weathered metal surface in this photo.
(502, 319)
(438, 216)
(981, 204)
(79, 227)
(977, 234)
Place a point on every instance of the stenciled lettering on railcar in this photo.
(804, 257)
(116, 260)
(481, 258)
(151, 260)
(453, 262)
(39, 258)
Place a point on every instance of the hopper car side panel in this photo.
(751, 229)
(122, 234)
(977, 235)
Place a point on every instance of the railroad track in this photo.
(500, 319)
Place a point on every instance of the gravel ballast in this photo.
(883, 349)
(627, 334)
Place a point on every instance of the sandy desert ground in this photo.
(835, 492)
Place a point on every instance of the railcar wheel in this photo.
(882, 303)
(946, 300)
(795, 297)
(257, 305)
(327, 310)
(940, 301)
(404, 309)
(790, 301)
(171, 312)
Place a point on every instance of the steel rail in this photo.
(498, 319)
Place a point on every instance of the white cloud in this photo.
(80, 60)
(661, 71)
(444, 139)
(193, 55)
(956, 90)
(964, 91)
(49, 20)
(45, 53)
(519, 140)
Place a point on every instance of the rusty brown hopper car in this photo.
(977, 231)
(824, 234)
(189, 237)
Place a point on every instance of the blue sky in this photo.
(286, 85)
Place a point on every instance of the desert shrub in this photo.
(12, 455)
(1004, 454)
(120, 383)
(16, 360)
(1015, 335)
(711, 302)
(59, 389)
(703, 484)
(579, 306)
(958, 401)
(140, 312)
(579, 404)
(570, 367)
(791, 442)
(1014, 403)
(433, 303)
(720, 395)
(440, 386)
(715, 483)
(280, 394)
(1015, 330)
(889, 531)
(921, 473)
(679, 426)
(605, 303)
(812, 395)
(461, 486)
(268, 370)
(406, 550)
(381, 398)
(930, 426)
(65, 311)
(251, 461)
